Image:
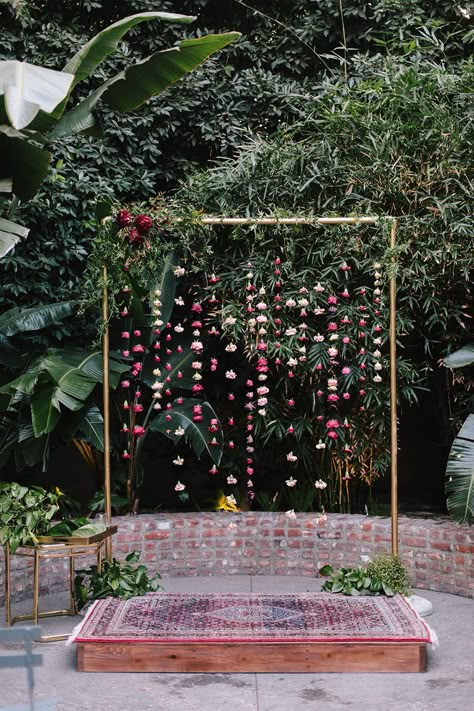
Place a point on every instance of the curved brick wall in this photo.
(439, 554)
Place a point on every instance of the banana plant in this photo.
(459, 486)
(34, 101)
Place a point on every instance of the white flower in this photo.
(179, 328)
(157, 372)
(333, 337)
(249, 439)
(377, 341)
(196, 364)
(332, 352)
(179, 461)
(196, 333)
(318, 311)
(157, 406)
(158, 322)
(318, 338)
(249, 275)
(250, 449)
(290, 302)
(261, 306)
(303, 302)
(179, 301)
(196, 346)
(231, 479)
(261, 318)
(378, 366)
(320, 445)
(318, 287)
(262, 376)
(262, 291)
(332, 384)
(262, 412)
(262, 331)
(197, 376)
(252, 322)
(290, 513)
(302, 349)
(377, 379)
(179, 431)
(157, 386)
(303, 290)
(290, 332)
(230, 374)
(320, 484)
(303, 326)
(377, 292)
(157, 302)
(231, 347)
(179, 486)
(250, 483)
(231, 500)
(377, 354)
(292, 362)
(291, 457)
(291, 482)
(262, 401)
(229, 321)
(157, 396)
(179, 271)
(157, 292)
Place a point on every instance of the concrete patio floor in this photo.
(448, 684)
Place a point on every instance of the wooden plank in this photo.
(251, 657)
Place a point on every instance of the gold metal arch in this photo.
(392, 343)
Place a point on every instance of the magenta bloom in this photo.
(124, 218)
(231, 422)
(346, 370)
(332, 326)
(332, 299)
(196, 308)
(125, 334)
(331, 424)
(137, 332)
(125, 455)
(125, 354)
(319, 393)
(137, 366)
(346, 396)
(143, 223)
(138, 431)
(134, 237)
(137, 408)
(125, 383)
(231, 396)
(291, 429)
(138, 348)
(332, 434)
(197, 388)
(290, 402)
(332, 397)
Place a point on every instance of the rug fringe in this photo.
(70, 640)
(434, 640)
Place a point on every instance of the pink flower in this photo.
(332, 397)
(213, 470)
(125, 354)
(332, 434)
(231, 422)
(125, 383)
(231, 396)
(346, 370)
(197, 388)
(362, 322)
(231, 445)
(124, 218)
(137, 408)
(125, 428)
(362, 393)
(138, 431)
(291, 429)
(196, 308)
(290, 402)
(213, 279)
(125, 334)
(346, 339)
(332, 424)
(143, 223)
(125, 455)
(320, 393)
(332, 326)
(137, 367)
(332, 299)
(346, 396)
(249, 471)
(137, 332)
(262, 346)
(138, 348)
(168, 418)
(134, 237)
(277, 261)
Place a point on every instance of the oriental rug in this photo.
(252, 617)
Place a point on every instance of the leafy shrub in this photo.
(384, 575)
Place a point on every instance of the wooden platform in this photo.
(252, 657)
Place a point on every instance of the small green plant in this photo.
(25, 513)
(114, 579)
(391, 571)
(384, 575)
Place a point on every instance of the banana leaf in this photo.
(196, 433)
(26, 164)
(10, 235)
(459, 486)
(131, 88)
(460, 358)
(14, 321)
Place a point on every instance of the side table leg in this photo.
(72, 567)
(6, 553)
(36, 586)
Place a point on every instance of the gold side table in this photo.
(69, 547)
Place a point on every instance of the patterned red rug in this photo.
(252, 617)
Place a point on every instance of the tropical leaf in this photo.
(16, 320)
(460, 475)
(90, 529)
(10, 234)
(166, 285)
(9, 355)
(460, 358)
(45, 411)
(142, 81)
(27, 89)
(196, 433)
(179, 373)
(106, 42)
(92, 427)
(22, 162)
(6, 185)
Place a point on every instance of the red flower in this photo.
(143, 223)
(134, 237)
(124, 218)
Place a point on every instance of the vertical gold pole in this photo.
(36, 561)
(106, 399)
(393, 396)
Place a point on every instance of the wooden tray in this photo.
(77, 540)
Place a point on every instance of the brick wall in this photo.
(439, 554)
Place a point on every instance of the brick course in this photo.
(438, 554)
